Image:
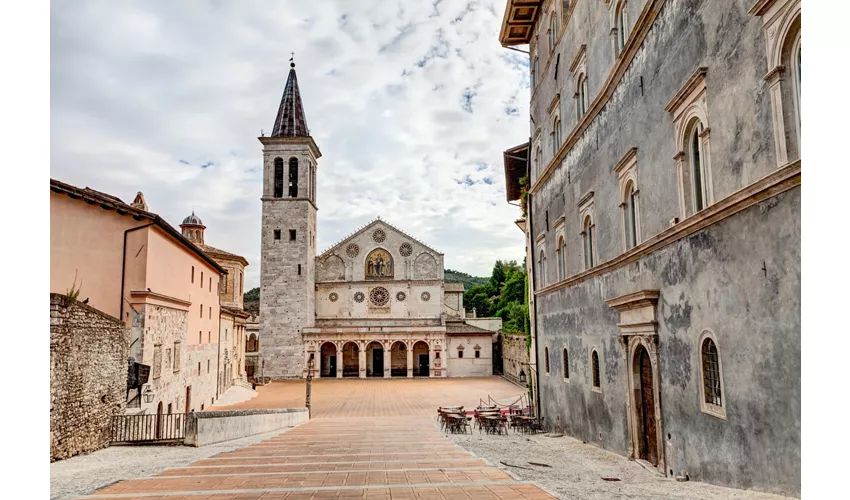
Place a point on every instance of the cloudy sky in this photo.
(411, 103)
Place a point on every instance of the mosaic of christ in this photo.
(379, 264)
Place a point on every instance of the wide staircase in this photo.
(334, 458)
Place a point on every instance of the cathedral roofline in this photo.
(282, 140)
(367, 226)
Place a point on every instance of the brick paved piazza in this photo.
(368, 439)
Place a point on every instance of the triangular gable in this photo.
(365, 228)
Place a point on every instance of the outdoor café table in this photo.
(457, 422)
(522, 421)
(493, 423)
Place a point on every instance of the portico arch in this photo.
(398, 359)
(350, 360)
(421, 359)
(374, 359)
(328, 360)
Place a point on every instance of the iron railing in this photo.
(149, 428)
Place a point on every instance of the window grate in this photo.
(595, 362)
(711, 373)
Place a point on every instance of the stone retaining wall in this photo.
(209, 427)
(88, 376)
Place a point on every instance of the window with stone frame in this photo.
(578, 68)
(626, 170)
(157, 361)
(588, 230)
(566, 364)
(782, 21)
(541, 269)
(596, 379)
(693, 161)
(561, 256)
(553, 30)
(712, 397)
(546, 359)
(620, 30)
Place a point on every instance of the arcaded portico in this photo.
(398, 355)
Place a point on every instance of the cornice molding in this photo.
(588, 196)
(682, 95)
(777, 182)
(144, 294)
(760, 7)
(555, 101)
(626, 159)
(577, 59)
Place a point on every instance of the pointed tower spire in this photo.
(290, 121)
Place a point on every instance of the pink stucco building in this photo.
(133, 265)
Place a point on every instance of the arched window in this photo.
(566, 362)
(553, 30)
(594, 362)
(278, 177)
(796, 64)
(711, 390)
(539, 162)
(581, 91)
(556, 131)
(546, 359)
(251, 344)
(241, 285)
(562, 256)
(621, 24)
(191, 235)
(630, 216)
(587, 235)
(293, 177)
(696, 159)
(541, 269)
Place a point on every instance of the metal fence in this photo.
(161, 428)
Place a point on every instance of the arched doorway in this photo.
(374, 360)
(644, 400)
(350, 360)
(158, 424)
(398, 359)
(421, 359)
(328, 360)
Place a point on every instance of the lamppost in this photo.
(148, 395)
(310, 364)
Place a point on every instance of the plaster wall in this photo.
(738, 278)
(217, 426)
(469, 365)
(87, 240)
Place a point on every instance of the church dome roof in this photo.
(193, 219)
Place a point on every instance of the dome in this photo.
(193, 219)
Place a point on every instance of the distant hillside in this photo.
(467, 280)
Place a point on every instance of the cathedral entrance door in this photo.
(332, 366)
(424, 365)
(377, 362)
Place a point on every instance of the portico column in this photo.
(361, 364)
(410, 360)
(340, 360)
(388, 359)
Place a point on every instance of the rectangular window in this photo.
(277, 234)
(193, 274)
(477, 354)
(210, 285)
(177, 346)
(209, 336)
(202, 278)
(299, 269)
(208, 366)
(200, 337)
(210, 312)
(460, 354)
(291, 235)
(201, 311)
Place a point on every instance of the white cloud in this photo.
(411, 103)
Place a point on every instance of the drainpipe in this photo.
(123, 270)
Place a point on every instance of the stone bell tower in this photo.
(288, 242)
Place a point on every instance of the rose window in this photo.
(405, 250)
(333, 297)
(358, 297)
(426, 296)
(400, 296)
(379, 236)
(352, 250)
(379, 296)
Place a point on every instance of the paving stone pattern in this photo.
(334, 458)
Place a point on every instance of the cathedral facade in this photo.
(373, 305)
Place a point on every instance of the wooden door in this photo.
(332, 363)
(377, 362)
(648, 438)
(424, 365)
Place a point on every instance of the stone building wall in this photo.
(88, 376)
(514, 356)
(469, 365)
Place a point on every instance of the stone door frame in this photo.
(638, 327)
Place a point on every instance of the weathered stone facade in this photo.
(88, 376)
(663, 222)
(515, 357)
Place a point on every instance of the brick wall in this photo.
(88, 376)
